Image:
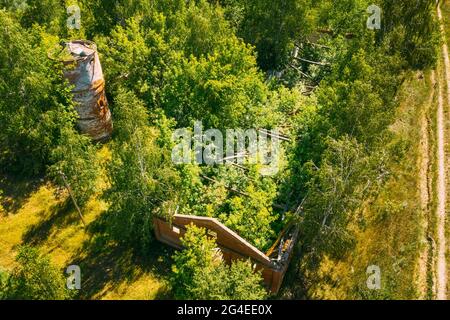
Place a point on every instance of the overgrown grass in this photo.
(395, 234)
(391, 238)
(445, 8)
(39, 215)
(389, 232)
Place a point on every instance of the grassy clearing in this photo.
(445, 8)
(393, 224)
(37, 214)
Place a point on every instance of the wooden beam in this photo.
(279, 136)
(322, 64)
(299, 71)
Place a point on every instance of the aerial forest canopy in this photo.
(311, 69)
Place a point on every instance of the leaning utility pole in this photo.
(63, 176)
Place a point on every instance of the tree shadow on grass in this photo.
(58, 217)
(105, 265)
(15, 191)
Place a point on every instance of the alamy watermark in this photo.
(374, 21)
(235, 146)
(374, 280)
(73, 281)
(74, 19)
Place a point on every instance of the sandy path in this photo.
(441, 269)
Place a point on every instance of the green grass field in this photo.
(37, 214)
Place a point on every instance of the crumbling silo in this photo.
(84, 71)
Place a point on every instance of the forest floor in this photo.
(39, 215)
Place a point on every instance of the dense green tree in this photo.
(75, 158)
(271, 26)
(242, 201)
(35, 278)
(343, 17)
(140, 173)
(244, 283)
(35, 102)
(355, 102)
(48, 13)
(100, 17)
(200, 274)
(216, 81)
(347, 176)
(136, 58)
(251, 217)
(224, 90)
(410, 28)
(200, 27)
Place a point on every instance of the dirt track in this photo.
(441, 268)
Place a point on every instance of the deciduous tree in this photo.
(35, 278)
(200, 273)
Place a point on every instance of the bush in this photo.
(200, 273)
(35, 278)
